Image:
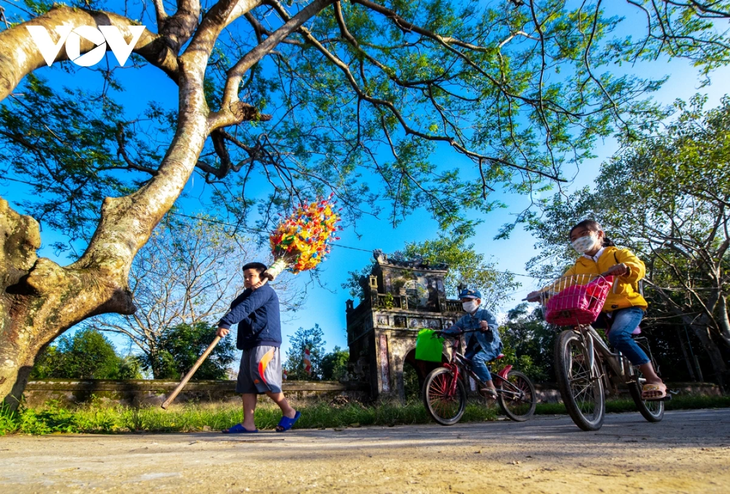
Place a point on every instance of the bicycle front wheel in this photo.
(517, 396)
(445, 406)
(583, 396)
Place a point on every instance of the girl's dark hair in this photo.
(258, 266)
(593, 226)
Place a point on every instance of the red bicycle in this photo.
(444, 392)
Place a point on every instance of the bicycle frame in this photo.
(457, 362)
(617, 363)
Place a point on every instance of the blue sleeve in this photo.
(494, 342)
(242, 310)
(458, 327)
(491, 320)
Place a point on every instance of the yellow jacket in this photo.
(625, 289)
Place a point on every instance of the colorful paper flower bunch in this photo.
(304, 238)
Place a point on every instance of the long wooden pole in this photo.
(190, 373)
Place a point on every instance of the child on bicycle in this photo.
(483, 345)
(624, 305)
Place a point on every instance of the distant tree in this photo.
(312, 338)
(181, 345)
(86, 355)
(334, 364)
(467, 268)
(188, 272)
(529, 342)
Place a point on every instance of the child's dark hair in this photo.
(593, 226)
(260, 267)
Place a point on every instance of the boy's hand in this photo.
(260, 283)
(222, 332)
(484, 326)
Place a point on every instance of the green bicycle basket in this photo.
(428, 347)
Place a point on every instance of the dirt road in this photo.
(687, 452)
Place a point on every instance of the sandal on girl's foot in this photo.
(654, 392)
(489, 393)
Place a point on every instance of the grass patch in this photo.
(684, 402)
(100, 419)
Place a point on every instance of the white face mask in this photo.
(470, 306)
(585, 244)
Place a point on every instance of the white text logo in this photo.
(72, 38)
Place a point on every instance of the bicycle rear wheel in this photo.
(651, 410)
(517, 396)
(583, 396)
(444, 406)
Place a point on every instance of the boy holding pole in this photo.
(256, 311)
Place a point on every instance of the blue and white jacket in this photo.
(488, 340)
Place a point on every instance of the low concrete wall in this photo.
(154, 392)
(150, 392)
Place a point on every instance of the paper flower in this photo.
(302, 240)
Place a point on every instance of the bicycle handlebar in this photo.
(440, 332)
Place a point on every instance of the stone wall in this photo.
(143, 392)
(154, 392)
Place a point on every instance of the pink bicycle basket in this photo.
(574, 300)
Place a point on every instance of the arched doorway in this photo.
(414, 374)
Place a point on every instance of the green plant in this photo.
(8, 420)
(96, 418)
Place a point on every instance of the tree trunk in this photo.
(687, 360)
(723, 320)
(704, 334)
(41, 300)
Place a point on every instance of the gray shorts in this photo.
(260, 371)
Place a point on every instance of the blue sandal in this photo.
(286, 423)
(238, 429)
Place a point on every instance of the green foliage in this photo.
(312, 338)
(8, 419)
(86, 355)
(520, 89)
(64, 143)
(334, 364)
(467, 268)
(528, 343)
(181, 346)
(95, 419)
(411, 383)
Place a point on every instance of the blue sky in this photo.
(328, 309)
(326, 305)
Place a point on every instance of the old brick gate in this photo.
(400, 298)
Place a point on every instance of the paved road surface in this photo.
(687, 452)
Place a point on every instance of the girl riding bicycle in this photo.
(481, 346)
(624, 305)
